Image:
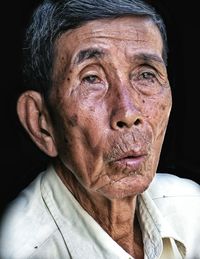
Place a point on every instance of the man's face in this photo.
(111, 102)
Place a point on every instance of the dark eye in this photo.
(146, 81)
(147, 76)
(91, 79)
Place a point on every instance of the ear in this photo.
(34, 117)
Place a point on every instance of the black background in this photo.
(21, 160)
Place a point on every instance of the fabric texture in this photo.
(45, 222)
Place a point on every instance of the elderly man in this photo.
(98, 102)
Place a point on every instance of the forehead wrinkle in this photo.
(89, 53)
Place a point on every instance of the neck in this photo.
(115, 216)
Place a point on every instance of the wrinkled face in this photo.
(111, 104)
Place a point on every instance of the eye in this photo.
(91, 79)
(146, 80)
(147, 76)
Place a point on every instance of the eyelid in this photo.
(161, 76)
(143, 69)
(92, 70)
(148, 68)
(90, 73)
(91, 67)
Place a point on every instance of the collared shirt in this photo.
(47, 222)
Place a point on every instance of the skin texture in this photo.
(109, 110)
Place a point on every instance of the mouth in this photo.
(132, 161)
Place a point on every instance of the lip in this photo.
(130, 160)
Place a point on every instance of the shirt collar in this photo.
(79, 228)
(155, 228)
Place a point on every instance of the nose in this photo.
(125, 113)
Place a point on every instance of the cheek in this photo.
(158, 111)
(164, 110)
(80, 141)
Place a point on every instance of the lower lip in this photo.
(133, 163)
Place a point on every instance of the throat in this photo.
(131, 239)
(120, 222)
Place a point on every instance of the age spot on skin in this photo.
(73, 121)
(163, 107)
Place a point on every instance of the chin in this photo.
(129, 186)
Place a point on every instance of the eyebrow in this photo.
(149, 58)
(89, 53)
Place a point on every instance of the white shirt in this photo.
(46, 222)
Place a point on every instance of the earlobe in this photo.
(34, 117)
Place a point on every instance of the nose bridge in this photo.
(125, 110)
(125, 98)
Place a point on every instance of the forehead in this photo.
(129, 33)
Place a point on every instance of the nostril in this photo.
(120, 124)
(137, 122)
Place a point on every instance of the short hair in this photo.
(52, 18)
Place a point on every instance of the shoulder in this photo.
(165, 185)
(21, 220)
(178, 200)
(176, 195)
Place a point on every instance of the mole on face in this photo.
(163, 107)
(73, 121)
